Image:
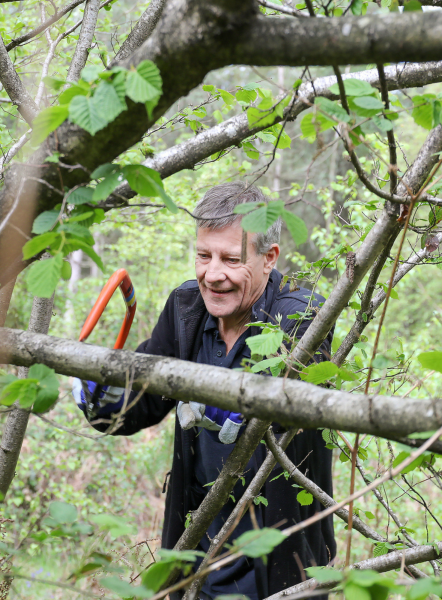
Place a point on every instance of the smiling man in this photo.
(205, 321)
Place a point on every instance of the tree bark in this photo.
(142, 30)
(289, 402)
(85, 40)
(14, 86)
(17, 421)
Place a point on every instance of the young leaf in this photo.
(266, 343)
(369, 103)
(320, 372)
(157, 574)
(324, 574)
(115, 525)
(246, 96)
(332, 108)
(124, 589)
(104, 170)
(107, 186)
(144, 83)
(304, 498)
(38, 243)
(81, 195)
(354, 87)
(43, 276)
(22, 390)
(313, 123)
(66, 270)
(262, 218)
(75, 90)
(62, 512)
(90, 73)
(85, 113)
(266, 364)
(423, 114)
(296, 227)
(431, 360)
(78, 244)
(106, 100)
(147, 182)
(45, 221)
(47, 121)
(256, 543)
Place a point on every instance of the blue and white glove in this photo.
(110, 400)
(226, 423)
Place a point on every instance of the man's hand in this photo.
(195, 414)
(110, 399)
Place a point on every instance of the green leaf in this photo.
(247, 96)
(352, 590)
(107, 186)
(76, 230)
(22, 390)
(333, 109)
(265, 343)
(412, 5)
(145, 83)
(382, 124)
(85, 113)
(296, 227)
(116, 526)
(354, 87)
(227, 97)
(39, 243)
(320, 372)
(209, 88)
(77, 244)
(104, 170)
(313, 123)
(45, 221)
(431, 360)
(90, 73)
(356, 9)
(422, 588)
(63, 512)
(75, 90)
(66, 270)
(157, 574)
(106, 100)
(323, 574)
(423, 114)
(81, 195)
(304, 498)
(124, 589)
(369, 103)
(411, 467)
(180, 555)
(258, 543)
(246, 207)
(266, 364)
(43, 276)
(54, 83)
(46, 122)
(262, 218)
(147, 182)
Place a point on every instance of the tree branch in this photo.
(412, 37)
(85, 40)
(31, 34)
(142, 30)
(14, 86)
(289, 402)
(381, 564)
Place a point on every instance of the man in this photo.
(205, 321)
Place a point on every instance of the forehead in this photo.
(226, 239)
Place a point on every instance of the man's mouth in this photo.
(219, 292)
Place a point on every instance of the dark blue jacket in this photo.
(178, 334)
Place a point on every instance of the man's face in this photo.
(229, 287)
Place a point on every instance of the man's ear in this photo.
(271, 257)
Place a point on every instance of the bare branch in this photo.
(85, 40)
(56, 17)
(287, 10)
(142, 30)
(289, 402)
(14, 86)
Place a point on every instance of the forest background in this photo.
(124, 476)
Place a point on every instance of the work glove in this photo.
(194, 414)
(110, 400)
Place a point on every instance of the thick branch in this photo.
(56, 17)
(85, 40)
(15, 428)
(381, 564)
(142, 30)
(14, 86)
(291, 403)
(395, 37)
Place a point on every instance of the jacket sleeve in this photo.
(150, 409)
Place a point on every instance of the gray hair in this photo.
(216, 208)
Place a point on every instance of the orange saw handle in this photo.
(122, 280)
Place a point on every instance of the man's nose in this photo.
(215, 271)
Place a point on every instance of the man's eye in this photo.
(203, 255)
(233, 260)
